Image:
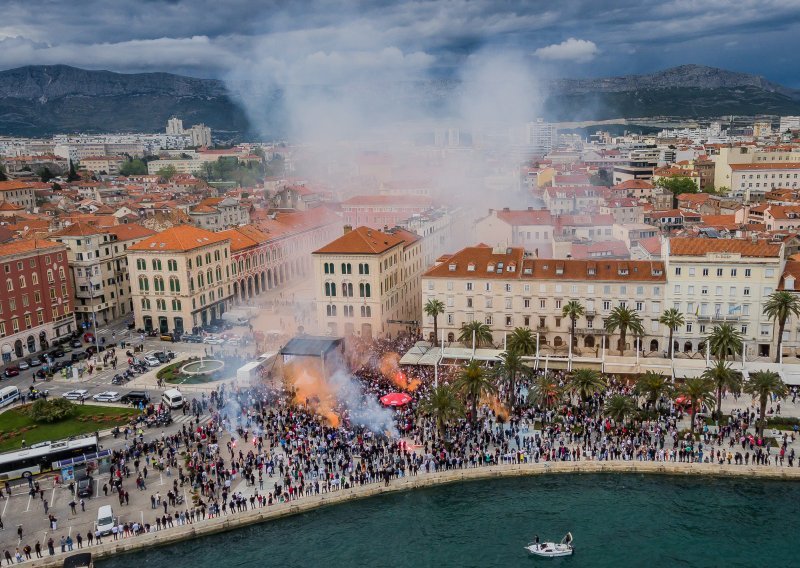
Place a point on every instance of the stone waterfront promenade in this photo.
(232, 521)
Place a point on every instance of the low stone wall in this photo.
(251, 516)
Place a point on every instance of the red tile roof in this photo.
(182, 238)
(362, 240)
(517, 218)
(744, 247)
(31, 245)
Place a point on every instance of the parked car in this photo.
(79, 356)
(11, 372)
(152, 361)
(212, 340)
(107, 396)
(34, 361)
(135, 397)
(77, 394)
(161, 356)
(189, 338)
(76, 343)
(24, 365)
(57, 352)
(167, 337)
(85, 486)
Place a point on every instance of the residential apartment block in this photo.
(36, 299)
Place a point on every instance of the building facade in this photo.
(506, 288)
(367, 283)
(98, 266)
(181, 279)
(713, 281)
(17, 193)
(36, 299)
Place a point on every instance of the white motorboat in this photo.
(552, 549)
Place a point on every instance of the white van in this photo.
(105, 519)
(172, 398)
(8, 395)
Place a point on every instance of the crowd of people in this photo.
(251, 447)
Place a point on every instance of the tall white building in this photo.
(174, 127)
(541, 136)
(200, 135)
(789, 123)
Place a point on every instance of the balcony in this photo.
(541, 328)
(590, 331)
(718, 318)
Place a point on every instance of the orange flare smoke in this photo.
(390, 368)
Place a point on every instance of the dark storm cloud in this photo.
(573, 37)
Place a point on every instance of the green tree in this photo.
(724, 340)
(619, 407)
(586, 382)
(167, 172)
(483, 334)
(651, 386)
(723, 377)
(778, 307)
(443, 405)
(473, 382)
(434, 308)
(572, 310)
(698, 391)
(763, 385)
(624, 319)
(135, 167)
(522, 341)
(673, 319)
(508, 371)
(73, 175)
(677, 185)
(544, 391)
(3, 176)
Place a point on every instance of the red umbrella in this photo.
(395, 399)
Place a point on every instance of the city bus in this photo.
(8, 395)
(44, 456)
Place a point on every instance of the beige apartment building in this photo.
(367, 283)
(181, 279)
(507, 288)
(17, 193)
(98, 265)
(714, 281)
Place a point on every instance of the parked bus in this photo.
(8, 395)
(44, 456)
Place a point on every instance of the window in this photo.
(677, 289)
(542, 303)
(719, 272)
(488, 319)
(606, 305)
(9, 285)
(330, 289)
(677, 271)
(558, 304)
(176, 305)
(35, 279)
(508, 288)
(769, 273)
(156, 264)
(363, 290)
(158, 284)
(450, 319)
(145, 304)
(526, 303)
(705, 272)
(50, 278)
(746, 291)
(172, 265)
(469, 302)
(702, 328)
(718, 291)
(744, 330)
(639, 306)
(689, 327)
(28, 321)
(22, 283)
(508, 303)
(733, 272)
(488, 286)
(469, 287)
(174, 284)
(704, 290)
(509, 321)
(144, 284)
(489, 303)
(330, 310)
(747, 272)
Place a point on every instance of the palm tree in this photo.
(522, 341)
(434, 308)
(473, 382)
(779, 306)
(724, 339)
(651, 386)
(624, 319)
(444, 405)
(585, 382)
(508, 370)
(544, 391)
(723, 378)
(483, 334)
(673, 319)
(572, 310)
(619, 407)
(764, 384)
(698, 391)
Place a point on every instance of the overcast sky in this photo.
(301, 39)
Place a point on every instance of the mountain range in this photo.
(43, 100)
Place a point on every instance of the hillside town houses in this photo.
(170, 233)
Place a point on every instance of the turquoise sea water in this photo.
(616, 520)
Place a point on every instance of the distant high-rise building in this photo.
(541, 136)
(175, 127)
(762, 129)
(200, 135)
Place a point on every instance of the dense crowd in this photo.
(254, 447)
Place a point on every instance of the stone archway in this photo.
(687, 347)
(18, 348)
(236, 290)
(588, 341)
(654, 345)
(31, 344)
